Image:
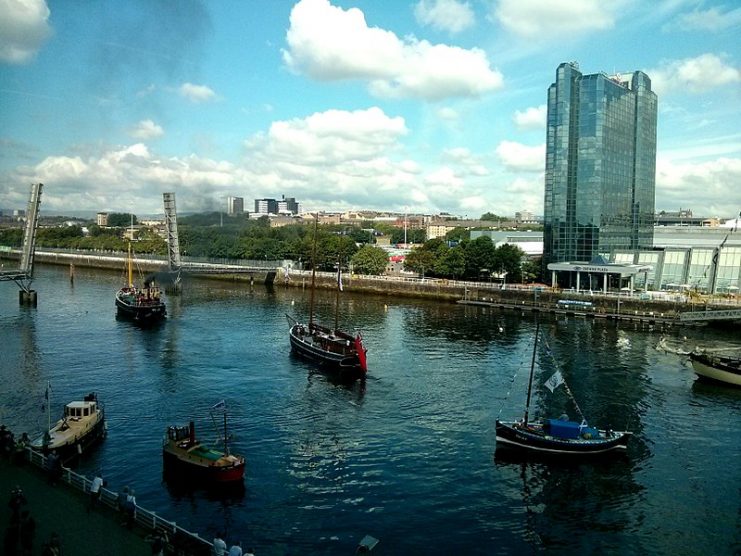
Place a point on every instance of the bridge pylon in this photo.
(23, 275)
(173, 242)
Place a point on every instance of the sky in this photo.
(421, 106)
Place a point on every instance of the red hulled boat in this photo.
(184, 457)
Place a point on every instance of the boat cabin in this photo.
(569, 430)
(80, 409)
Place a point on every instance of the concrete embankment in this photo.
(514, 297)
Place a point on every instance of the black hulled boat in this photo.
(557, 436)
(332, 349)
(140, 304)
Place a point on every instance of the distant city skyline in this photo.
(428, 106)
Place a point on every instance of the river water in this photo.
(408, 457)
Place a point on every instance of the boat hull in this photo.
(512, 435)
(180, 465)
(718, 369)
(71, 448)
(140, 312)
(340, 356)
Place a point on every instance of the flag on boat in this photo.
(220, 405)
(555, 381)
(339, 277)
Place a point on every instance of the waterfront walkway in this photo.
(62, 510)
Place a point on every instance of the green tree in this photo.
(370, 260)
(479, 256)
(457, 234)
(491, 217)
(531, 270)
(452, 264)
(424, 259)
(508, 258)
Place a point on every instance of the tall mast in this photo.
(131, 238)
(48, 406)
(226, 444)
(131, 270)
(532, 369)
(337, 297)
(313, 273)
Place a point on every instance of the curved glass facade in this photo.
(600, 165)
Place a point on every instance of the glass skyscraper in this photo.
(600, 165)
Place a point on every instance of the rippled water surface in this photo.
(408, 457)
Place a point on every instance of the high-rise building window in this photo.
(600, 165)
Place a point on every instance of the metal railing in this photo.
(146, 519)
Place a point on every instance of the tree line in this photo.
(210, 235)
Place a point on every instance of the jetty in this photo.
(61, 510)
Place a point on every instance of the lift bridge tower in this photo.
(23, 276)
(173, 243)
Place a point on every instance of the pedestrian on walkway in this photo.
(53, 547)
(158, 540)
(28, 532)
(219, 545)
(95, 491)
(130, 509)
(236, 549)
(121, 499)
(17, 500)
(54, 467)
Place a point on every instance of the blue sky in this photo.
(424, 106)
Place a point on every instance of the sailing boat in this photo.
(143, 305)
(184, 457)
(557, 436)
(333, 349)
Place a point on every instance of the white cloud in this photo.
(532, 118)
(131, 178)
(535, 19)
(466, 161)
(328, 43)
(695, 75)
(445, 15)
(147, 129)
(704, 187)
(448, 114)
(712, 19)
(197, 93)
(518, 157)
(24, 27)
(331, 137)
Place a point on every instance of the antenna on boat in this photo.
(48, 406)
(131, 238)
(532, 370)
(313, 273)
(337, 296)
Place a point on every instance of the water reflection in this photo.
(567, 500)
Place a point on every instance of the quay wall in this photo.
(451, 291)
